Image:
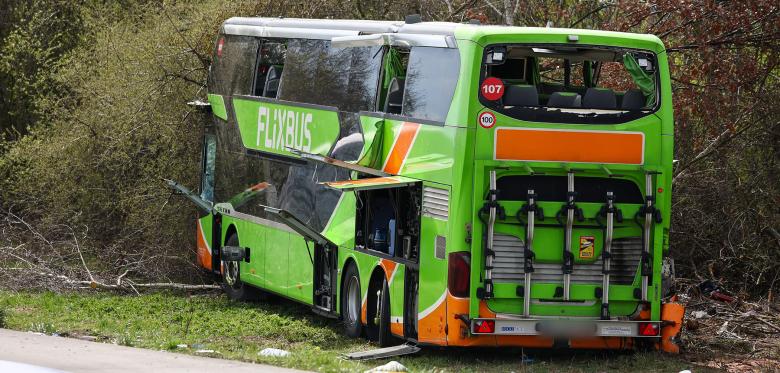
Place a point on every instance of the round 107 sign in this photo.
(492, 89)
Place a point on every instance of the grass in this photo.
(239, 331)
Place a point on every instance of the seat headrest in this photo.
(565, 100)
(633, 99)
(521, 95)
(600, 98)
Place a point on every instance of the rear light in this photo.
(484, 326)
(459, 274)
(220, 45)
(647, 329)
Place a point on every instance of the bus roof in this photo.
(482, 34)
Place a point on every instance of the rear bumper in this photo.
(567, 328)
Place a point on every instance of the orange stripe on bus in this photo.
(401, 147)
(569, 146)
(204, 252)
(397, 328)
(388, 266)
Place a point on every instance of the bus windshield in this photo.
(569, 84)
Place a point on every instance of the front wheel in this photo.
(351, 302)
(231, 278)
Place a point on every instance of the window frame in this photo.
(619, 117)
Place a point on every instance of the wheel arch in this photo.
(229, 232)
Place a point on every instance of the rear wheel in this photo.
(231, 278)
(351, 302)
(385, 338)
(378, 312)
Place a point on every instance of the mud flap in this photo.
(671, 317)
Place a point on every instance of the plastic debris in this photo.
(206, 352)
(699, 314)
(392, 366)
(685, 371)
(275, 352)
(181, 345)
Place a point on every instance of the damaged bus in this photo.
(443, 184)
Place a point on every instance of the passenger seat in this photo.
(272, 81)
(565, 100)
(600, 98)
(521, 95)
(633, 99)
(395, 96)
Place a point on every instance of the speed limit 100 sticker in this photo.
(492, 89)
(487, 119)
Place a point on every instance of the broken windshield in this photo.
(569, 84)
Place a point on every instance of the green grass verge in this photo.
(239, 331)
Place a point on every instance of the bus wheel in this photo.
(385, 338)
(378, 312)
(231, 278)
(351, 304)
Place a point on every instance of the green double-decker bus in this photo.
(441, 183)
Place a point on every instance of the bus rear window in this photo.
(566, 84)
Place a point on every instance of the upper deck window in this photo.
(430, 83)
(572, 84)
(233, 65)
(316, 73)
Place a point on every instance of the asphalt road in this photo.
(73, 355)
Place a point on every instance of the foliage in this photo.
(103, 87)
(36, 39)
(240, 330)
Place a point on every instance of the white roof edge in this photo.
(345, 25)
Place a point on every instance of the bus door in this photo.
(208, 227)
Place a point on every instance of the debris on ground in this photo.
(181, 345)
(206, 352)
(392, 366)
(712, 290)
(727, 332)
(274, 352)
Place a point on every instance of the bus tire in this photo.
(231, 282)
(351, 304)
(385, 338)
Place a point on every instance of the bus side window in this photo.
(232, 68)
(316, 73)
(393, 80)
(268, 72)
(430, 83)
